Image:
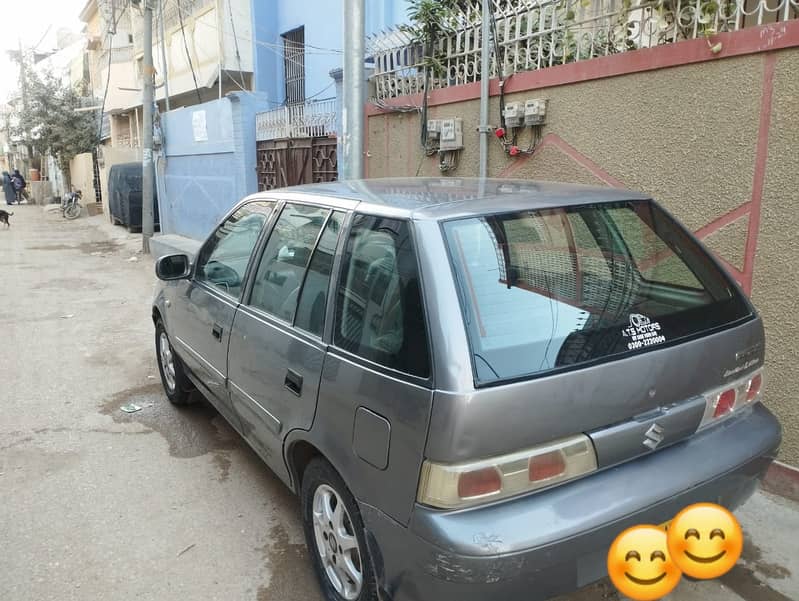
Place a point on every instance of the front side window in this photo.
(379, 313)
(552, 288)
(223, 259)
(277, 283)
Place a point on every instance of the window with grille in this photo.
(294, 65)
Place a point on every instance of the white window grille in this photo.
(294, 65)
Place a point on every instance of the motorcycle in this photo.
(70, 205)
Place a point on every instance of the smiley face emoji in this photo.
(640, 566)
(705, 540)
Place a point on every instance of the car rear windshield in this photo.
(557, 288)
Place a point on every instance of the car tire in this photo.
(177, 386)
(334, 535)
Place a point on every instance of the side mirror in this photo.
(173, 267)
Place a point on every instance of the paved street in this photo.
(163, 503)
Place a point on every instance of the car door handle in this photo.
(293, 382)
(216, 331)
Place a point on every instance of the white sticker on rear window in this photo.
(642, 332)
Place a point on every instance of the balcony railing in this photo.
(308, 120)
(535, 34)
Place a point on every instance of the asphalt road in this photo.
(164, 504)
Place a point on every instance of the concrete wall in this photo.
(42, 192)
(198, 179)
(715, 141)
(81, 175)
(55, 177)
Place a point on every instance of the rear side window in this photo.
(379, 314)
(313, 298)
(555, 288)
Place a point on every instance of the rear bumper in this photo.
(544, 544)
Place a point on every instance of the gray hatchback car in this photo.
(472, 385)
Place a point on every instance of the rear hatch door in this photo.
(607, 318)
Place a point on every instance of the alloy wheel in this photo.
(167, 361)
(336, 543)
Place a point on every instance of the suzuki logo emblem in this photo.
(653, 437)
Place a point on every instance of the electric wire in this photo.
(428, 50)
(41, 39)
(500, 58)
(236, 44)
(320, 49)
(395, 108)
(325, 89)
(276, 47)
(188, 54)
(105, 95)
(272, 102)
(109, 38)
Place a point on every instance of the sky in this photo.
(28, 20)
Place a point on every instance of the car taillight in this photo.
(546, 466)
(479, 483)
(722, 402)
(461, 485)
(753, 387)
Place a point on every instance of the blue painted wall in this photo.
(323, 21)
(199, 181)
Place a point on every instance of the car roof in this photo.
(444, 198)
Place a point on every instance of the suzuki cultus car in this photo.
(473, 386)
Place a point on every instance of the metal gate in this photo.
(98, 196)
(294, 161)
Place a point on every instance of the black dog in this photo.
(4, 215)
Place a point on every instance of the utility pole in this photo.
(147, 179)
(485, 55)
(354, 97)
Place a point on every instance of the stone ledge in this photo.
(782, 479)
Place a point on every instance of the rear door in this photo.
(375, 394)
(276, 350)
(201, 315)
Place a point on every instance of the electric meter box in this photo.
(451, 134)
(535, 111)
(433, 129)
(514, 114)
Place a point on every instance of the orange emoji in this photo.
(640, 566)
(705, 540)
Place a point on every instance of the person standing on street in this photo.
(19, 186)
(8, 188)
